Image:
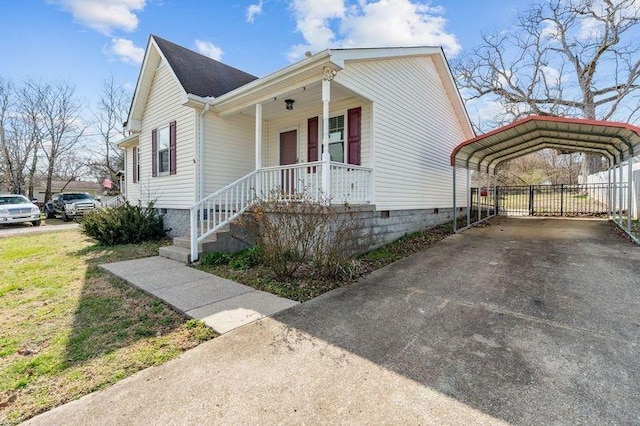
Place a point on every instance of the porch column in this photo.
(328, 75)
(258, 136)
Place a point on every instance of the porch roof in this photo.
(299, 74)
(615, 141)
(131, 140)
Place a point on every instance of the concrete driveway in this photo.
(526, 321)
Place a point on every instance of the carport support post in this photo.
(614, 195)
(629, 189)
(478, 195)
(495, 194)
(455, 221)
(609, 209)
(468, 197)
(620, 197)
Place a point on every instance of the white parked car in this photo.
(18, 209)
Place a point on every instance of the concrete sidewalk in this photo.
(222, 304)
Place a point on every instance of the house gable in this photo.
(199, 74)
(342, 57)
(196, 74)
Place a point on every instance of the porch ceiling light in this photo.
(289, 104)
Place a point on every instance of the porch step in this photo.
(180, 254)
(229, 239)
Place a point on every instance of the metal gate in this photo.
(545, 200)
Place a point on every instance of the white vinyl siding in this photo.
(415, 131)
(297, 119)
(229, 150)
(163, 106)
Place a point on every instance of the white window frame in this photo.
(135, 169)
(345, 136)
(160, 172)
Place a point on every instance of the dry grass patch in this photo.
(307, 282)
(69, 329)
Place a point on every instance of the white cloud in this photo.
(550, 29)
(105, 16)
(209, 49)
(483, 110)
(313, 22)
(126, 51)
(369, 23)
(551, 74)
(254, 10)
(590, 28)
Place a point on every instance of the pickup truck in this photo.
(70, 205)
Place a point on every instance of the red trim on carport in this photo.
(566, 120)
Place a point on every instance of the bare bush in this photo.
(301, 230)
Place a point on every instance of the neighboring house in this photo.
(389, 117)
(57, 186)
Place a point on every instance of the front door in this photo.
(288, 155)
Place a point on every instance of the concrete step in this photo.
(179, 254)
(229, 238)
(203, 246)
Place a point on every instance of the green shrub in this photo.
(246, 258)
(126, 224)
(215, 258)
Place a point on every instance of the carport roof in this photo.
(615, 141)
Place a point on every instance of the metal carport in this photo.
(617, 142)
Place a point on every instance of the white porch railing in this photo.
(349, 184)
(114, 202)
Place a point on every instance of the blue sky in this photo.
(87, 41)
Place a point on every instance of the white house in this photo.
(371, 127)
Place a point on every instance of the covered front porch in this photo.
(312, 140)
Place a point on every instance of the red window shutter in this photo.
(312, 139)
(354, 116)
(134, 155)
(172, 148)
(154, 153)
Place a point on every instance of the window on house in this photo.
(336, 138)
(163, 150)
(135, 164)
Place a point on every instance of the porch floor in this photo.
(222, 304)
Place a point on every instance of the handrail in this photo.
(348, 183)
(115, 202)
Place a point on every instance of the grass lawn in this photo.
(69, 329)
(306, 285)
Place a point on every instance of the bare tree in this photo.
(62, 127)
(5, 103)
(70, 167)
(29, 104)
(17, 145)
(547, 166)
(109, 118)
(576, 58)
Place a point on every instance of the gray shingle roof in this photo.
(200, 75)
